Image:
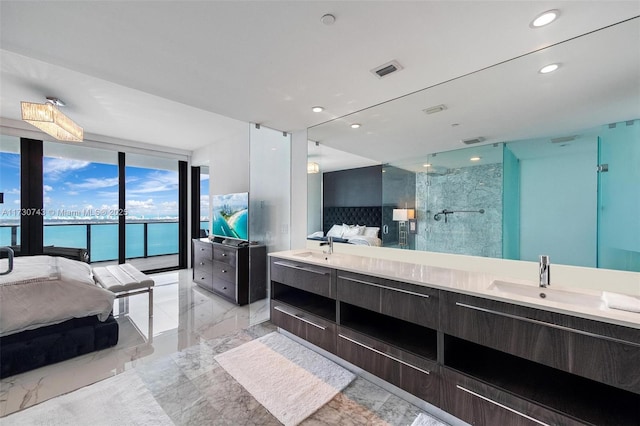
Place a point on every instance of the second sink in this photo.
(591, 299)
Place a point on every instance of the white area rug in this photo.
(289, 380)
(119, 400)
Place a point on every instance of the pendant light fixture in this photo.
(48, 118)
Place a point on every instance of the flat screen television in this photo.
(231, 216)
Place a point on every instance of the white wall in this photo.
(229, 164)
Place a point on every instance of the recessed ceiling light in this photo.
(328, 19)
(426, 165)
(317, 109)
(475, 158)
(545, 18)
(355, 125)
(549, 68)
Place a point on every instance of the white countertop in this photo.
(475, 284)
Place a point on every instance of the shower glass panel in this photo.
(510, 205)
(458, 200)
(619, 196)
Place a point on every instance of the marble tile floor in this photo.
(191, 326)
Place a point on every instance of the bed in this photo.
(51, 310)
(352, 225)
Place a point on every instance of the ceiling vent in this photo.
(563, 139)
(435, 109)
(472, 141)
(386, 69)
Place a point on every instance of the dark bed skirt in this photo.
(31, 349)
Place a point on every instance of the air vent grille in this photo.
(563, 139)
(386, 69)
(472, 141)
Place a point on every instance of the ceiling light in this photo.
(313, 167)
(545, 18)
(48, 118)
(355, 126)
(426, 165)
(549, 68)
(328, 19)
(475, 158)
(435, 109)
(317, 109)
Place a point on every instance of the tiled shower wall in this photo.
(466, 188)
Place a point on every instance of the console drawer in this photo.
(223, 271)
(225, 288)
(224, 254)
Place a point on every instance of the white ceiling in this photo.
(184, 74)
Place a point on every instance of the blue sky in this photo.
(82, 186)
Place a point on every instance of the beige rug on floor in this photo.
(289, 380)
(116, 401)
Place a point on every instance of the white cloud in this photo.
(47, 188)
(156, 181)
(141, 204)
(94, 183)
(54, 167)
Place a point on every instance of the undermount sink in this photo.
(587, 299)
(314, 255)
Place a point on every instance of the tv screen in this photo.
(231, 216)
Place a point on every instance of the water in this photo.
(162, 238)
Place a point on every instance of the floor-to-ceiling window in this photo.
(205, 214)
(152, 211)
(81, 199)
(9, 190)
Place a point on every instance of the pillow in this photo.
(335, 231)
(318, 234)
(350, 230)
(371, 231)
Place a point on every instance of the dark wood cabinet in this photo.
(314, 329)
(604, 352)
(314, 279)
(413, 303)
(238, 274)
(412, 373)
(485, 361)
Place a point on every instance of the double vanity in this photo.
(487, 350)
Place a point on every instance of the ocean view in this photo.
(102, 238)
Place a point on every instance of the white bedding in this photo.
(45, 290)
(364, 240)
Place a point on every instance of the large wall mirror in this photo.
(506, 162)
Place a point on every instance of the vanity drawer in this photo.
(413, 303)
(478, 403)
(311, 278)
(414, 374)
(224, 254)
(312, 328)
(607, 353)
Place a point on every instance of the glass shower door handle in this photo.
(385, 229)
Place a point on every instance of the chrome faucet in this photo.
(329, 243)
(544, 267)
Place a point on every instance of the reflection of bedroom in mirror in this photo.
(490, 175)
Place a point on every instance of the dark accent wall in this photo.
(398, 191)
(183, 231)
(352, 188)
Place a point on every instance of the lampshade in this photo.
(402, 215)
(48, 118)
(313, 167)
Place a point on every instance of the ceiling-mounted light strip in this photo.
(48, 118)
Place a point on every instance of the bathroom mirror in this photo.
(540, 138)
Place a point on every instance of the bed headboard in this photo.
(368, 216)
